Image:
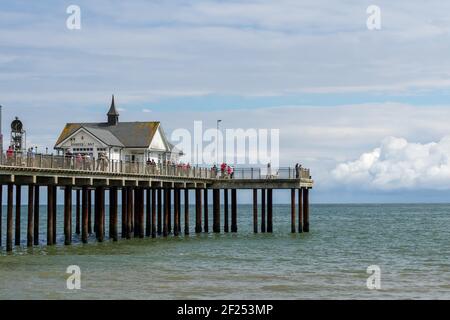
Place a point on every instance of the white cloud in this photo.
(146, 110)
(250, 48)
(399, 164)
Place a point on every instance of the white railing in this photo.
(45, 161)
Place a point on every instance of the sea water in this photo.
(410, 243)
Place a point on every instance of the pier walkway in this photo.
(146, 192)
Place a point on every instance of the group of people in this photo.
(226, 171)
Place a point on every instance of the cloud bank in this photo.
(399, 164)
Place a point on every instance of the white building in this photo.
(126, 141)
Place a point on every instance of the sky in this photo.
(366, 110)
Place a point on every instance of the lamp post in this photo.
(217, 142)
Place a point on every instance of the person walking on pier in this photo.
(269, 171)
(9, 156)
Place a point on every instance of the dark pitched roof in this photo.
(123, 134)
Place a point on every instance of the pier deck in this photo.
(140, 183)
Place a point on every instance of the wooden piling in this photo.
(198, 210)
(176, 211)
(233, 210)
(136, 215)
(78, 211)
(129, 211)
(67, 215)
(124, 212)
(292, 210)
(153, 212)
(263, 210)
(225, 211)
(179, 211)
(216, 210)
(140, 206)
(169, 208)
(9, 219)
(96, 211)
(30, 215)
(1, 213)
(166, 213)
(205, 211)
(89, 207)
(101, 214)
(305, 210)
(50, 207)
(300, 210)
(85, 214)
(18, 214)
(159, 230)
(255, 210)
(113, 213)
(36, 215)
(269, 211)
(55, 212)
(148, 213)
(186, 211)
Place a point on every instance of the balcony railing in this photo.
(88, 164)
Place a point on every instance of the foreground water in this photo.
(410, 243)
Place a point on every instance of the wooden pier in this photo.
(150, 198)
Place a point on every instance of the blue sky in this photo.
(312, 69)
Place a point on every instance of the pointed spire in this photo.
(113, 115)
(112, 110)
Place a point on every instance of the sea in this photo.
(404, 247)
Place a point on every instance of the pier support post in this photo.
(198, 210)
(140, 206)
(136, 215)
(36, 215)
(148, 213)
(9, 219)
(305, 210)
(1, 213)
(263, 210)
(113, 213)
(89, 207)
(169, 210)
(176, 210)
(225, 211)
(153, 190)
(124, 212)
(269, 211)
(101, 214)
(84, 212)
(233, 210)
(77, 212)
(18, 214)
(186, 211)
(67, 215)
(50, 200)
(216, 210)
(159, 211)
(179, 211)
(293, 211)
(166, 213)
(255, 210)
(205, 211)
(30, 215)
(96, 211)
(129, 211)
(300, 210)
(55, 212)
